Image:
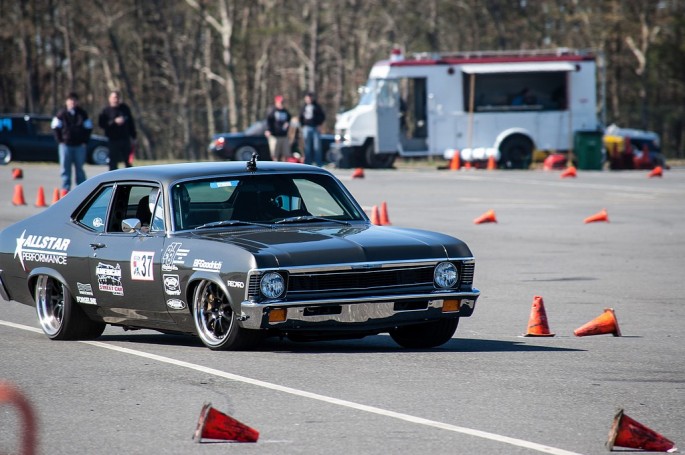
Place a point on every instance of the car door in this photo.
(125, 267)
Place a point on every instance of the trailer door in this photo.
(387, 116)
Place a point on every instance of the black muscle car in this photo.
(232, 252)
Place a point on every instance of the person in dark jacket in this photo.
(72, 129)
(117, 122)
(311, 119)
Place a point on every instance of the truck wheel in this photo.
(244, 153)
(216, 323)
(59, 315)
(378, 160)
(5, 154)
(516, 152)
(426, 335)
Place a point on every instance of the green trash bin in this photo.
(587, 148)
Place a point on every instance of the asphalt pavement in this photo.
(488, 390)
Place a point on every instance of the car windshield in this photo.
(259, 200)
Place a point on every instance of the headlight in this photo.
(445, 275)
(272, 285)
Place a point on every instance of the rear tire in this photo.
(244, 153)
(5, 154)
(59, 315)
(425, 335)
(516, 152)
(216, 323)
(100, 155)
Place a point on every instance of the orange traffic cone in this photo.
(375, 216)
(626, 432)
(18, 198)
(602, 215)
(467, 165)
(569, 172)
(492, 164)
(455, 163)
(217, 425)
(63, 192)
(487, 217)
(604, 323)
(656, 172)
(537, 323)
(17, 173)
(55, 195)
(40, 197)
(358, 173)
(384, 220)
(11, 395)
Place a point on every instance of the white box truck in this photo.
(481, 104)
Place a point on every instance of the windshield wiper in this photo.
(223, 223)
(306, 218)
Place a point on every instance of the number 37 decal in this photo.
(141, 265)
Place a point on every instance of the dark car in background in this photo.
(28, 137)
(240, 146)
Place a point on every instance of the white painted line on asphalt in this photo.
(315, 396)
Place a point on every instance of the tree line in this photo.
(191, 68)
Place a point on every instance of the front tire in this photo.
(59, 315)
(378, 160)
(216, 323)
(425, 335)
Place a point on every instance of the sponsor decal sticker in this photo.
(84, 288)
(172, 284)
(176, 304)
(235, 284)
(207, 266)
(86, 300)
(41, 248)
(141, 265)
(97, 222)
(109, 278)
(173, 256)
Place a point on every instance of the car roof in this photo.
(169, 173)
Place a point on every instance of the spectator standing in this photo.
(117, 122)
(277, 124)
(72, 129)
(311, 119)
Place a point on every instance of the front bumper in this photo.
(362, 314)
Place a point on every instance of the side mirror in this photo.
(130, 224)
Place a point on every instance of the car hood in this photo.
(296, 246)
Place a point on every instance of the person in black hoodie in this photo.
(311, 119)
(117, 121)
(72, 129)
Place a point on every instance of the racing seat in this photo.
(143, 211)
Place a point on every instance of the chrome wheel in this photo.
(215, 321)
(59, 315)
(50, 305)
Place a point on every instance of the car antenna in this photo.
(252, 164)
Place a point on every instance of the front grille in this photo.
(357, 282)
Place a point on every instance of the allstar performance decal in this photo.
(173, 256)
(41, 248)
